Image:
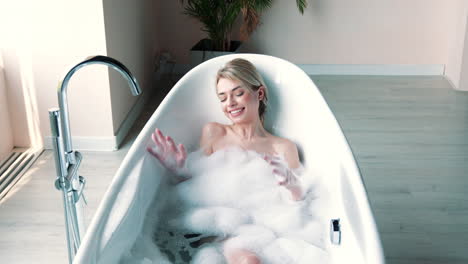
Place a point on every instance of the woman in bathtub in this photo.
(243, 97)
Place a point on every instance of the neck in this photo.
(248, 131)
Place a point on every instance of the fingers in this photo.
(159, 145)
(280, 169)
(269, 158)
(280, 177)
(158, 139)
(279, 165)
(276, 163)
(171, 156)
(181, 156)
(182, 151)
(171, 144)
(165, 143)
(153, 152)
(150, 150)
(159, 133)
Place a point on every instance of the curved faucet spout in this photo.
(62, 95)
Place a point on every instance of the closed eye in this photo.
(240, 94)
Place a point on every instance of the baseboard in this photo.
(370, 69)
(451, 83)
(88, 143)
(353, 69)
(110, 143)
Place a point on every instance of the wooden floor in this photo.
(410, 139)
(409, 136)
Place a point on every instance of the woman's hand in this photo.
(171, 157)
(281, 170)
(285, 176)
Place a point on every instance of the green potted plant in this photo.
(218, 18)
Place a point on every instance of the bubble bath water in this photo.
(234, 198)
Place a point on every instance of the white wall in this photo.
(41, 40)
(459, 48)
(337, 32)
(457, 68)
(463, 83)
(15, 76)
(65, 34)
(6, 142)
(131, 30)
(177, 32)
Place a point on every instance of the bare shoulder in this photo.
(288, 149)
(284, 145)
(213, 130)
(210, 133)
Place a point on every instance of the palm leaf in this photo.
(301, 5)
(218, 16)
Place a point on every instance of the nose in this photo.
(231, 101)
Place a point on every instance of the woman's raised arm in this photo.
(172, 157)
(287, 168)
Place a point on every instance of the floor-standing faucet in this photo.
(62, 95)
(67, 160)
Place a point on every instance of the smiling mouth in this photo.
(237, 112)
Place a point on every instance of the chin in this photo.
(240, 120)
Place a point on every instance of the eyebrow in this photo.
(233, 89)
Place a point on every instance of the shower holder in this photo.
(335, 231)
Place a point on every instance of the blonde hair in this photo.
(244, 71)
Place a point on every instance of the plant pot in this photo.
(203, 51)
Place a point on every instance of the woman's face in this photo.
(238, 103)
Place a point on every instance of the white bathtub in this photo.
(296, 111)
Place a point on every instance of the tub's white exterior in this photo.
(296, 111)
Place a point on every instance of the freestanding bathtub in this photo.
(296, 111)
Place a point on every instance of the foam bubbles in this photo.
(234, 194)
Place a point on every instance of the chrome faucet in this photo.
(62, 95)
(67, 160)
